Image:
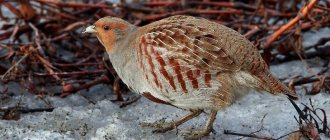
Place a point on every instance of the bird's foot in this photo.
(195, 134)
(124, 102)
(159, 126)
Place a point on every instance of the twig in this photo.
(253, 135)
(247, 135)
(26, 110)
(299, 16)
(62, 74)
(3, 77)
(73, 4)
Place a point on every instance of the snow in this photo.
(75, 117)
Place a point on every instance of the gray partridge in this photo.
(188, 62)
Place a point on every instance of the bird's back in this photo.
(184, 55)
(219, 47)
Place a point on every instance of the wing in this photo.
(188, 53)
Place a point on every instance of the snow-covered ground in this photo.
(75, 117)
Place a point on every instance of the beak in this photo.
(90, 29)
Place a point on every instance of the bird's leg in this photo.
(120, 100)
(116, 90)
(162, 127)
(203, 132)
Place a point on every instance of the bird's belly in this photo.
(195, 99)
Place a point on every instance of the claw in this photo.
(161, 126)
(195, 134)
(126, 102)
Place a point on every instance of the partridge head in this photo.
(188, 62)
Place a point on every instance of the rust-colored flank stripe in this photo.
(176, 66)
(141, 45)
(154, 99)
(163, 70)
(207, 78)
(152, 66)
(193, 79)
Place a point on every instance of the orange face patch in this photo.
(108, 37)
(108, 40)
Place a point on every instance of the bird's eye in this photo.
(106, 27)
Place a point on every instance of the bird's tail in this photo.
(275, 86)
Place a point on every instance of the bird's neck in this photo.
(124, 61)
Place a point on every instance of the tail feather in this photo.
(275, 86)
